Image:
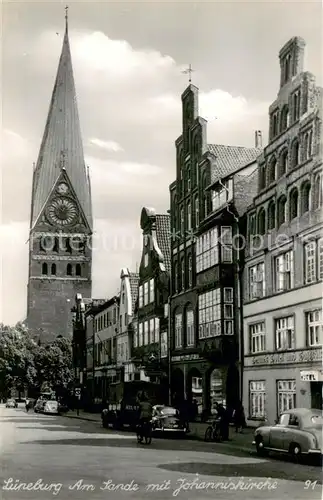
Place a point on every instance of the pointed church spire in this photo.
(61, 147)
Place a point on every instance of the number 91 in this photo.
(310, 485)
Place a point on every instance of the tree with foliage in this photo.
(17, 351)
(53, 364)
(25, 362)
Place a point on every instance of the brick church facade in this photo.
(60, 256)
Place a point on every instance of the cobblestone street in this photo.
(76, 457)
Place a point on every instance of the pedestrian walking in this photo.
(224, 421)
(239, 418)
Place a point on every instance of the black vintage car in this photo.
(119, 415)
(167, 419)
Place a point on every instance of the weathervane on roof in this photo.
(189, 72)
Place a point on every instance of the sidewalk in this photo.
(197, 431)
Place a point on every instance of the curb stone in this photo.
(192, 437)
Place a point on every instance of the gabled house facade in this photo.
(150, 340)
(204, 285)
(104, 349)
(284, 253)
(128, 298)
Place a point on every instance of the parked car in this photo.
(297, 432)
(167, 419)
(50, 407)
(39, 406)
(62, 407)
(11, 403)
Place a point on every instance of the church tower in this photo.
(60, 254)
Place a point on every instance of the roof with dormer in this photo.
(229, 159)
(61, 147)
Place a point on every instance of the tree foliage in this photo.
(26, 362)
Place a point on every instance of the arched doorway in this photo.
(194, 388)
(217, 389)
(177, 382)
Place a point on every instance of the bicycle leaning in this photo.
(144, 431)
(213, 432)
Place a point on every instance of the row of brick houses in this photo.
(226, 305)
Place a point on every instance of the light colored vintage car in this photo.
(50, 407)
(297, 432)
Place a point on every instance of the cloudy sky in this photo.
(128, 59)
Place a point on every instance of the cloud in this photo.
(218, 104)
(117, 58)
(104, 61)
(123, 188)
(120, 172)
(215, 104)
(108, 145)
(14, 259)
(13, 144)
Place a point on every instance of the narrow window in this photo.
(182, 274)
(69, 270)
(272, 171)
(283, 162)
(271, 215)
(317, 195)
(190, 271)
(293, 204)
(284, 117)
(68, 245)
(281, 211)
(56, 245)
(44, 269)
(196, 204)
(305, 197)
(189, 217)
(295, 154)
(53, 270)
(261, 221)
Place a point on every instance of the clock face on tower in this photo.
(62, 211)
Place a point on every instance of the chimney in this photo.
(258, 139)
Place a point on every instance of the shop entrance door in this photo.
(316, 395)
